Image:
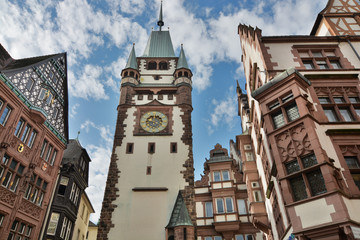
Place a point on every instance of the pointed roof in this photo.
(159, 45)
(180, 215)
(182, 63)
(132, 63)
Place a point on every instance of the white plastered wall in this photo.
(137, 211)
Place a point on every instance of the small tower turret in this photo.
(182, 73)
(131, 74)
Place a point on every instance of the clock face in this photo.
(153, 121)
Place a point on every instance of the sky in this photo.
(97, 36)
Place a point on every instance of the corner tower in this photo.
(151, 171)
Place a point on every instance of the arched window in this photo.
(131, 74)
(180, 74)
(163, 66)
(152, 66)
(125, 74)
(186, 74)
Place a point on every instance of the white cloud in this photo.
(88, 84)
(225, 112)
(100, 155)
(73, 110)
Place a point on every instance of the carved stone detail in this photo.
(204, 181)
(7, 196)
(293, 142)
(30, 208)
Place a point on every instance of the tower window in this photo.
(129, 148)
(131, 74)
(140, 97)
(148, 170)
(151, 148)
(163, 66)
(160, 97)
(150, 97)
(152, 66)
(170, 97)
(125, 74)
(180, 74)
(186, 74)
(173, 147)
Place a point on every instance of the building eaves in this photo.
(278, 78)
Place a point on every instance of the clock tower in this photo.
(149, 191)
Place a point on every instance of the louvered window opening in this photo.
(289, 109)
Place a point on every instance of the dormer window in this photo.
(152, 66)
(163, 66)
(221, 176)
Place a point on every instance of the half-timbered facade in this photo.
(33, 136)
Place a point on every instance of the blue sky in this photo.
(98, 34)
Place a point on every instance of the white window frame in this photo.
(257, 193)
(242, 209)
(222, 205)
(54, 220)
(231, 204)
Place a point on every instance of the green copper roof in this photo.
(159, 45)
(180, 215)
(132, 63)
(182, 63)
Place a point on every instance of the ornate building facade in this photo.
(149, 191)
(301, 120)
(33, 136)
(67, 212)
(224, 210)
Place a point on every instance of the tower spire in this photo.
(160, 23)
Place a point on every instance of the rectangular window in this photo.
(72, 193)
(298, 188)
(148, 170)
(63, 184)
(316, 182)
(43, 148)
(63, 228)
(292, 112)
(217, 177)
(50, 148)
(32, 138)
(30, 84)
(309, 160)
(249, 156)
(5, 115)
(241, 206)
(129, 148)
(225, 175)
(292, 167)
(173, 147)
(220, 205)
(249, 237)
(354, 99)
(324, 100)
(208, 238)
(335, 64)
(53, 157)
(278, 120)
(352, 162)
(77, 193)
(151, 148)
(68, 230)
(309, 64)
(54, 219)
(208, 209)
(229, 205)
(330, 114)
(217, 238)
(25, 133)
(19, 127)
(346, 114)
(257, 196)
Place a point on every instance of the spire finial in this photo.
(160, 23)
(77, 137)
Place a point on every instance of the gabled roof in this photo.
(132, 63)
(8, 63)
(182, 63)
(159, 45)
(73, 151)
(180, 215)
